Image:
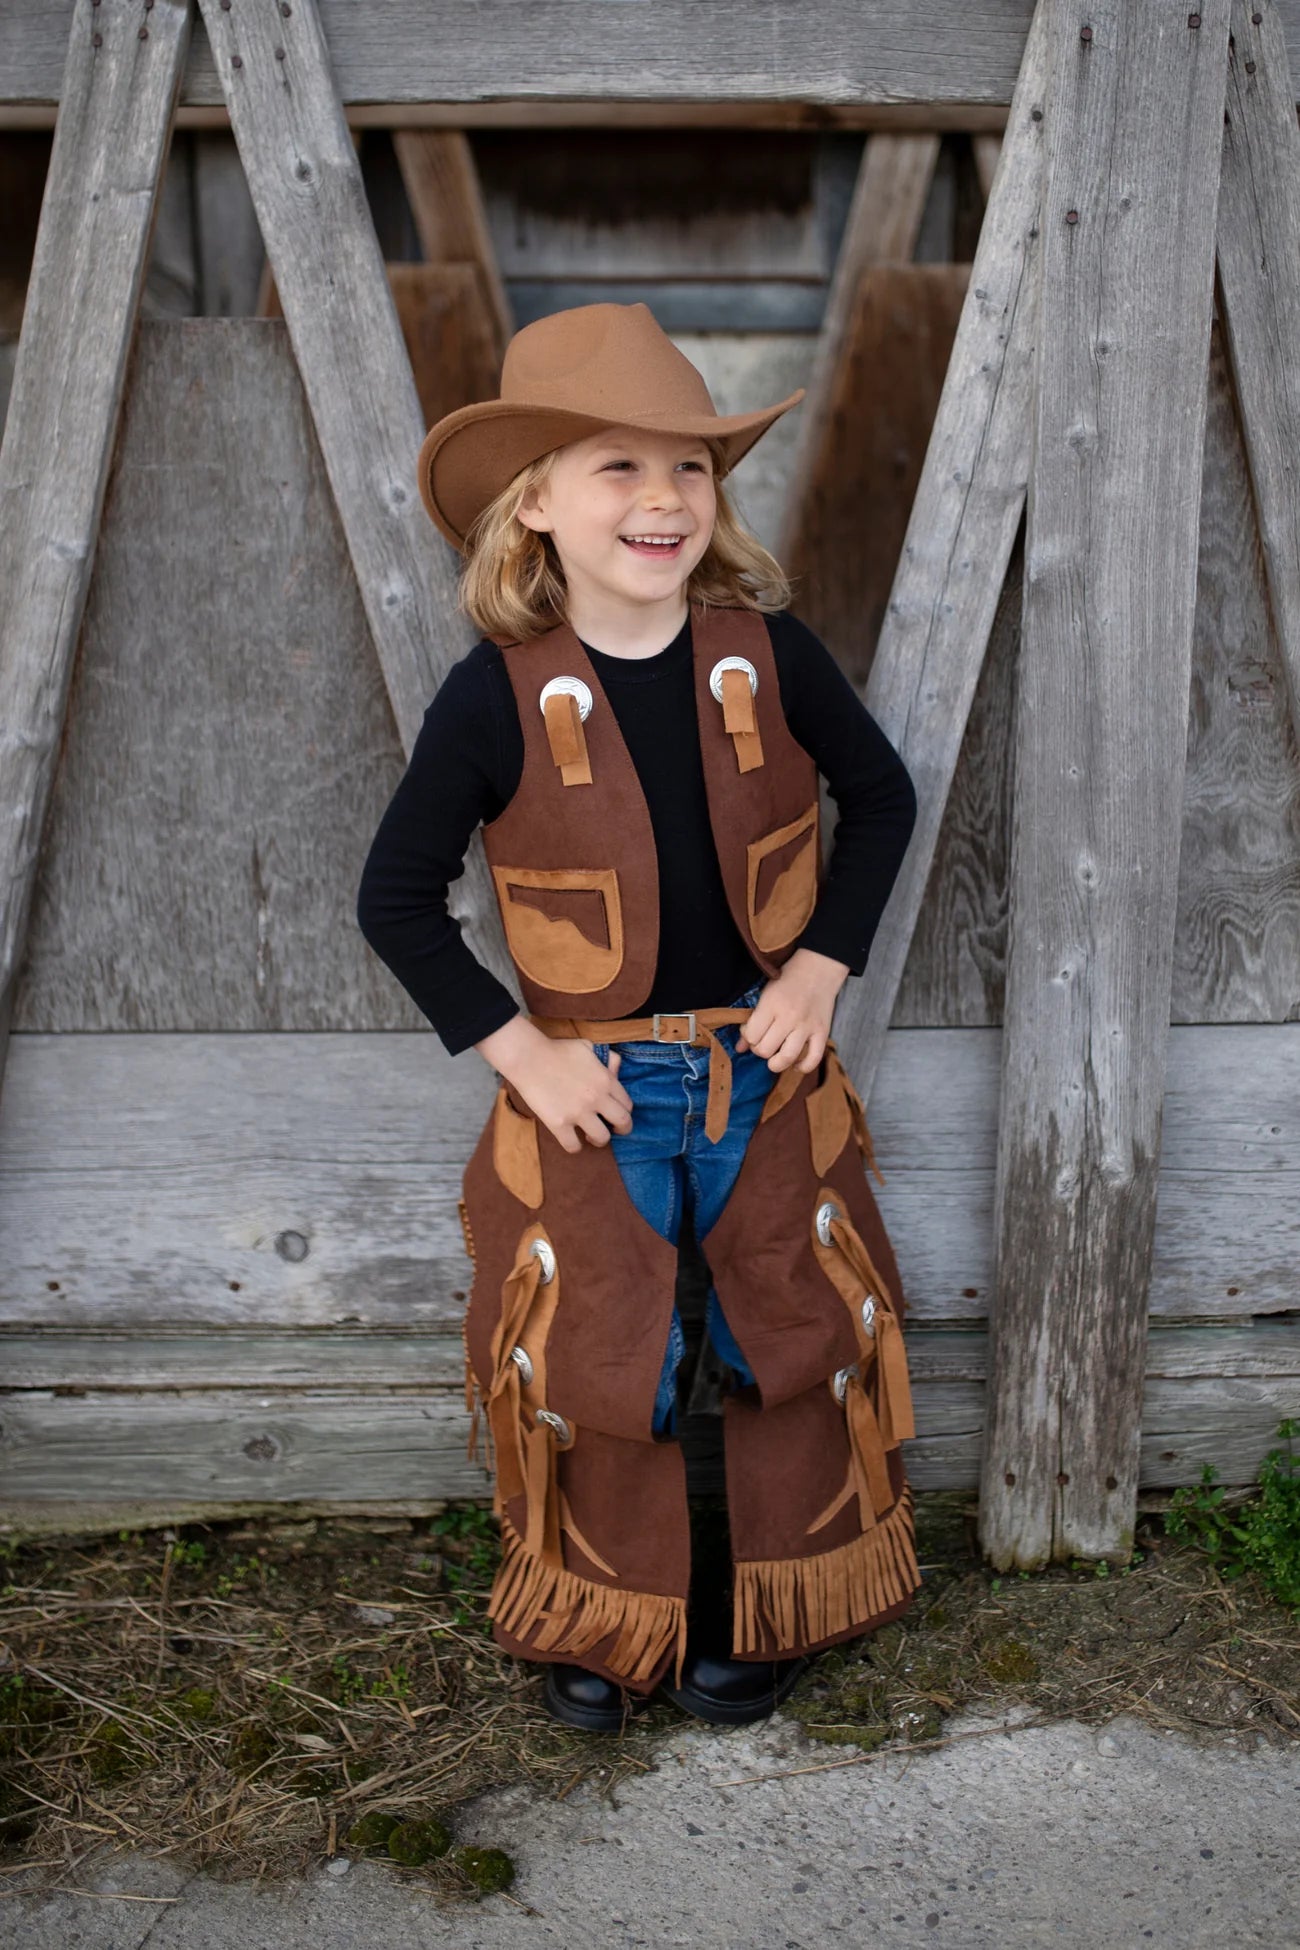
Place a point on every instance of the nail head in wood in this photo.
(1193, 20)
(236, 60)
(1072, 216)
(1250, 67)
(1085, 33)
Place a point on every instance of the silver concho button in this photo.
(869, 1313)
(825, 1213)
(841, 1382)
(556, 1422)
(543, 1250)
(519, 1355)
(732, 663)
(567, 687)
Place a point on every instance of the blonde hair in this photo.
(513, 586)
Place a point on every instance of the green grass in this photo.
(1261, 1534)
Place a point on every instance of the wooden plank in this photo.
(227, 1181)
(845, 52)
(1258, 241)
(857, 499)
(884, 218)
(92, 245)
(1237, 933)
(306, 186)
(592, 56)
(223, 1450)
(448, 333)
(1101, 742)
(446, 201)
(959, 538)
(190, 881)
(956, 964)
(357, 1360)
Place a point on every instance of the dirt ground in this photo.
(240, 1696)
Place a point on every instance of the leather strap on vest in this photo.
(647, 1029)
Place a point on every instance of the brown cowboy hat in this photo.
(563, 378)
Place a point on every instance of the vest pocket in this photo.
(564, 926)
(781, 880)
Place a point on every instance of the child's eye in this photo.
(698, 465)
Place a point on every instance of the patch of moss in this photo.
(18, 1815)
(1009, 1663)
(114, 1752)
(415, 1842)
(372, 1831)
(196, 1705)
(251, 1746)
(489, 1869)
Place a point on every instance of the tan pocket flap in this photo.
(515, 1152)
(830, 1120)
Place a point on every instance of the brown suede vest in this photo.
(573, 854)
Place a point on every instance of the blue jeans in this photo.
(668, 1164)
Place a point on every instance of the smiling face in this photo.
(631, 514)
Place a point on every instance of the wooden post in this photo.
(959, 539)
(1259, 283)
(1135, 119)
(306, 186)
(120, 83)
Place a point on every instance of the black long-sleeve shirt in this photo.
(466, 765)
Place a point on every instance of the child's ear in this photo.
(530, 514)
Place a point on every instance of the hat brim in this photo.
(471, 454)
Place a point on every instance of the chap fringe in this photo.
(796, 1602)
(555, 1610)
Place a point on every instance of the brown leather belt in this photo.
(695, 1026)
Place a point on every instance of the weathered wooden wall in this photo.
(230, 1266)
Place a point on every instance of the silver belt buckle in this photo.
(689, 1014)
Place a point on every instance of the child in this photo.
(640, 732)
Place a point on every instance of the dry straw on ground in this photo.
(239, 1696)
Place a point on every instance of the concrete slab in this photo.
(1060, 1835)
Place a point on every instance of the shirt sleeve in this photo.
(871, 787)
(452, 782)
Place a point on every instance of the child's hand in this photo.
(791, 1021)
(562, 1081)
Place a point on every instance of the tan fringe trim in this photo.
(557, 1611)
(795, 1602)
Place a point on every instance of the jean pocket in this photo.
(602, 1051)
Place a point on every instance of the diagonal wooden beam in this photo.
(894, 178)
(1259, 284)
(959, 539)
(306, 186)
(1135, 119)
(446, 200)
(121, 78)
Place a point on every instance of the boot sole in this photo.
(725, 1713)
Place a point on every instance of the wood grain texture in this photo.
(307, 190)
(959, 538)
(230, 747)
(879, 415)
(1237, 934)
(150, 1183)
(883, 221)
(92, 245)
(1105, 662)
(202, 1451)
(894, 53)
(446, 201)
(1259, 273)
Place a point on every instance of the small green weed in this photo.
(1260, 1535)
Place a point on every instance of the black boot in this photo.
(583, 1699)
(715, 1687)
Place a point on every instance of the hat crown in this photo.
(603, 359)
